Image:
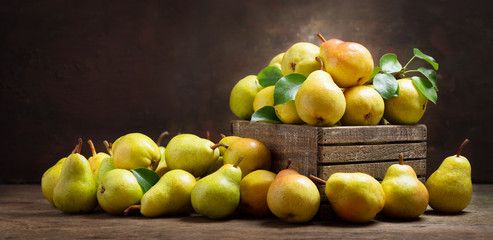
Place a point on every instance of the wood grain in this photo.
(372, 134)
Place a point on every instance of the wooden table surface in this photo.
(25, 214)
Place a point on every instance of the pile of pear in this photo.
(335, 91)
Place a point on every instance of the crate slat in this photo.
(372, 134)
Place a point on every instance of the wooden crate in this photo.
(322, 151)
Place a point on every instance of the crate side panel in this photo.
(372, 134)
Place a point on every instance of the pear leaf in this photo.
(146, 178)
(386, 85)
(427, 58)
(426, 88)
(287, 87)
(376, 70)
(430, 75)
(389, 63)
(265, 114)
(269, 76)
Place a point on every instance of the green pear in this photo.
(118, 190)
(300, 58)
(349, 63)
(242, 96)
(364, 106)
(96, 158)
(106, 165)
(276, 61)
(75, 191)
(408, 107)
(218, 194)
(214, 167)
(256, 155)
(405, 195)
(50, 178)
(450, 186)
(319, 101)
(162, 167)
(264, 97)
(293, 197)
(355, 197)
(135, 150)
(191, 153)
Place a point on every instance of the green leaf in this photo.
(146, 178)
(426, 88)
(389, 63)
(427, 58)
(265, 114)
(386, 85)
(431, 75)
(287, 87)
(269, 76)
(376, 70)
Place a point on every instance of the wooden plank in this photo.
(372, 134)
(296, 143)
(377, 152)
(375, 169)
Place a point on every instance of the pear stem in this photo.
(288, 164)
(160, 139)
(222, 135)
(401, 159)
(132, 209)
(321, 37)
(108, 147)
(317, 179)
(462, 146)
(321, 62)
(208, 135)
(238, 161)
(80, 146)
(91, 145)
(219, 145)
(76, 148)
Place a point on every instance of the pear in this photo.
(243, 95)
(264, 97)
(228, 140)
(106, 165)
(135, 150)
(118, 190)
(405, 195)
(276, 61)
(300, 58)
(191, 153)
(319, 101)
(169, 196)
(293, 197)
(364, 106)
(287, 113)
(50, 178)
(256, 155)
(218, 194)
(355, 197)
(253, 192)
(75, 191)
(96, 158)
(349, 63)
(450, 186)
(162, 167)
(408, 107)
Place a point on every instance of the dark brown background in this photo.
(101, 69)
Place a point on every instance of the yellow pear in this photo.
(276, 61)
(256, 155)
(264, 97)
(287, 113)
(253, 192)
(50, 178)
(96, 158)
(319, 100)
(135, 150)
(364, 106)
(349, 63)
(242, 96)
(300, 58)
(118, 190)
(408, 107)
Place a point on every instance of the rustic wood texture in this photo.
(372, 134)
(295, 143)
(375, 169)
(25, 214)
(377, 152)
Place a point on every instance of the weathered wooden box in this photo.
(322, 151)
